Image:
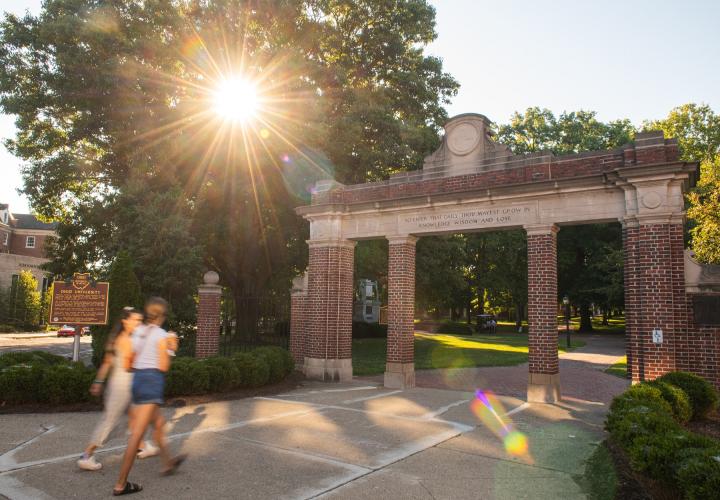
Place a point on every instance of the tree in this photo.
(25, 301)
(697, 129)
(119, 90)
(124, 292)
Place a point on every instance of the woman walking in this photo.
(118, 352)
(152, 348)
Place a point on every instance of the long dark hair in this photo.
(118, 326)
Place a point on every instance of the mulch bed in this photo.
(291, 382)
(709, 427)
(633, 486)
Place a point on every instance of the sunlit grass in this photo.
(619, 368)
(448, 351)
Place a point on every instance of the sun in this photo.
(236, 99)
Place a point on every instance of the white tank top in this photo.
(145, 340)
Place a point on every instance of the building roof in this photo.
(29, 221)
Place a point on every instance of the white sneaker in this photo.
(150, 450)
(89, 463)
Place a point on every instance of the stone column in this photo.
(298, 319)
(208, 316)
(544, 380)
(328, 333)
(631, 272)
(400, 368)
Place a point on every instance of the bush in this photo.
(223, 374)
(703, 396)
(362, 330)
(653, 454)
(644, 419)
(254, 370)
(5, 328)
(456, 328)
(187, 376)
(278, 359)
(676, 398)
(20, 384)
(697, 472)
(31, 357)
(640, 395)
(65, 384)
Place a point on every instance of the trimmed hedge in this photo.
(646, 421)
(703, 396)
(40, 377)
(362, 330)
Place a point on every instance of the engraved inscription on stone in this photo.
(463, 139)
(468, 219)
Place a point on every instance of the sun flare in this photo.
(236, 99)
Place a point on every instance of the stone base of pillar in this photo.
(328, 370)
(399, 375)
(543, 388)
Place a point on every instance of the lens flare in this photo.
(488, 408)
(236, 99)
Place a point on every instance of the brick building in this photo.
(22, 247)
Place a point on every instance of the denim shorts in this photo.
(148, 386)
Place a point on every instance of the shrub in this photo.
(456, 328)
(187, 376)
(676, 398)
(19, 384)
(643, 395)
(65, 383)
(640, 420)
(703, 396)
(31, 357)
(278, 359)
(254, 370)
(697, 472)
(223, 374)
(654, 453)
(362, 330)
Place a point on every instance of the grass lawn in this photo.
(619, 369)
(448, 351)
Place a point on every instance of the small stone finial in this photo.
(211, 278)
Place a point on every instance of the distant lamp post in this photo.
(566, 303)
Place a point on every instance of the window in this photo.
(6, 237)
(30, 242)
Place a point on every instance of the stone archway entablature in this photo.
(472, 183)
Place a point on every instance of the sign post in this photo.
(80, 301)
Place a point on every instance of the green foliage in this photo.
(254, 370)
(640, 422)
(676, 398)
(124, 292)
(224, 375)
(25, 304)
(697, 129)
(187, 376)
(279, 361)
(702, 395)
(697, 471)
(455, 328)
(38, 376)
(361, 330)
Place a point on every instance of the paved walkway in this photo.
(338, 441)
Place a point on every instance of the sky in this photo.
(622, 59)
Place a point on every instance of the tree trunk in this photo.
(585, 318)
(606, 317)
(519, 315)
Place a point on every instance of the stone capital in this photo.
(340, 243)
(660, 218)
(210, 290)
(402, 240)
(540, 229)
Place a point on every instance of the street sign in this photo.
(81, 301)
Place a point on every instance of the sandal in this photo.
(128, 489)
(174, 464)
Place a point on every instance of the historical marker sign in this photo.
(80, 302)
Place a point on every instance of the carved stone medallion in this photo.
(463, 139)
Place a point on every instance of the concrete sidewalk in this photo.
(320, 440)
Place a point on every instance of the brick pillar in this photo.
(660, 301)
(400, 367)
(328, 335)
(631, 273)
(208, 316)
(298, 319)
(544, 380)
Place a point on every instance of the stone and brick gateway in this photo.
(472, 183)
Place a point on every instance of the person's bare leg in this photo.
(131, 416)
(90, 450)
(142, 416)
(159, 437)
